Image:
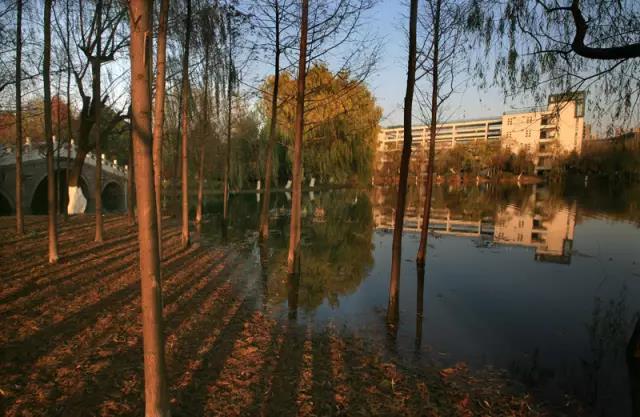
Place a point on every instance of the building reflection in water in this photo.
(539, 221)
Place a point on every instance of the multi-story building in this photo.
(541, 132)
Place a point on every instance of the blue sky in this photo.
(388, 83)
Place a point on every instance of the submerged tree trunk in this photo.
(156, 393)
(19, 212)
(264, 211)
(95, 69)
(633, 368)
(158, 112)
(428, 184)
(419, 307)
(51, 180)
(296, 195)
(185, 132)
(396, 251)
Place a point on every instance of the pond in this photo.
(543, 281)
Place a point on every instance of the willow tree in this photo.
(398, 225)
(539, 47)
(341, 123)
(155, 380)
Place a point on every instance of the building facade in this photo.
(542, 132)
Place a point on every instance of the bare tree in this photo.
(51, 175)
(271, 14)
(19, 213)
(396, 250)
(156, 394)
(439, 60)
(185, 129)
(87, 56)
(296, 195)
(158, 113)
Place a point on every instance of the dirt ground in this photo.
(71, 343)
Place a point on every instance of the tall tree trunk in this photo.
(396, 250)
(264, 212)
(419, 307)
(428, 184)
(51, 180)
(200, 185)
(19, 212)
(131, 214)
(185, 130)
(158, 113)
(205, 130)
(176, 166)
(227, 165)
(69, 134)
(296, 195)
(156, 394)
(95, 71)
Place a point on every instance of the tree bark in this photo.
(205, 131)
(69, 130)
(428, 184)
(185, 132)
(227, 165)
(19, 212)
(51, 180)
(158, 112)
(131, 192)
(156, 394)
(200, 185)
(396, 250)
(296, 194)
(264, 212)
(95, 71)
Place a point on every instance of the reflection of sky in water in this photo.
(491, 302)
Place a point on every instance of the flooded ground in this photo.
(541, 281)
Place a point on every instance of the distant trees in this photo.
(341, 124)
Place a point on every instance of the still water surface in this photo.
(543, 282)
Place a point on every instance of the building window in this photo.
(509, 121)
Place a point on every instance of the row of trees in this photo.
(199, 60)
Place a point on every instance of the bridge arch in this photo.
(39, 199)
(113, 197)
(6, 208)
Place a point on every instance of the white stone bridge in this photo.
(34, 180)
